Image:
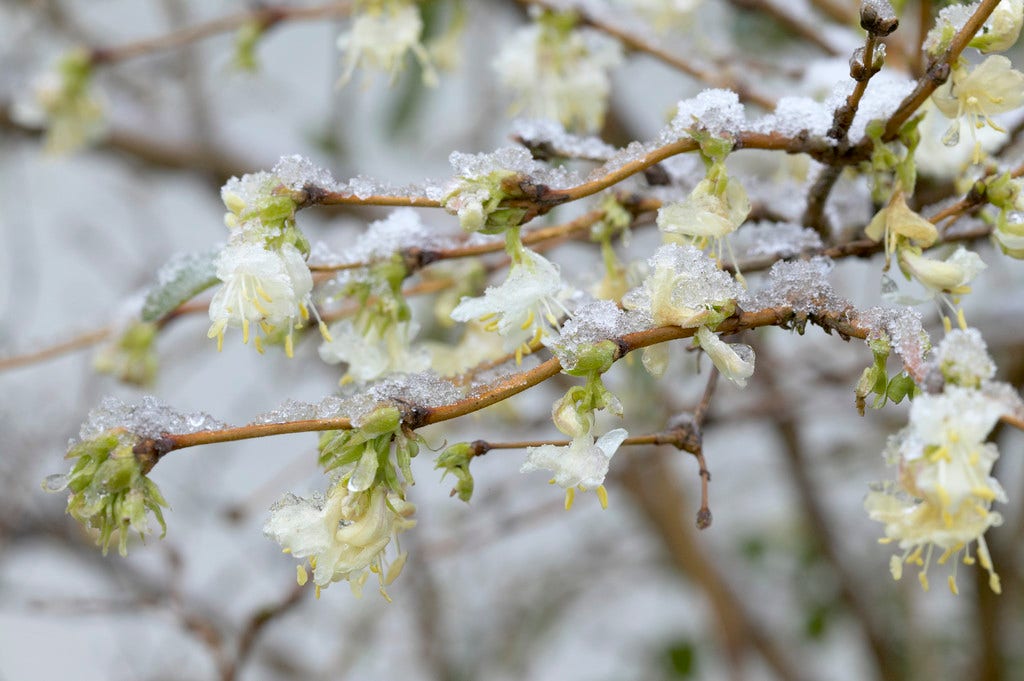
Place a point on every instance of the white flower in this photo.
(375, 352)
(945, 488)
(582, 464)
(380, 37)
(523, 307)
(269, 287)
(1002, 28)
(736, 361)
(684, 289)
(991, 88)
(962, 358)
(951, 275)
(705, 214)
(559, 74)
(343, 536)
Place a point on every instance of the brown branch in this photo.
(266, 17)
(862, 69)
(937, 71)
(704, 74)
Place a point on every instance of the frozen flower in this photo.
(993, 87)
(684, 289)
(558, 72)
(918, 527)
(897, 224)
(582, 464)
(343, 536)
(379, 350)
(1002, 28)
(381, 34)
(963, 358)
(735, 361)
(62, 101)
(268, 287)
(523, 308)
(945, 489)
(477, 202)
(705, 213)
(1009, 233)
(951, 275)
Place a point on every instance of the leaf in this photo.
(179, 281)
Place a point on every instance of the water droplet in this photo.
(57, 482)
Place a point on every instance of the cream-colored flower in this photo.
(270, 288)
(705, 214)
(582, 464)
(523, 308)
(382, 32)
(1001, 30)
(376, 351)
(735, 361)
(993, 87)
(952, 275)
(343, 536)
(559, 73)
(945, 489)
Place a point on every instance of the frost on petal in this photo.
(524, 305)
(583, 463)
(962, 358)
(685, 288)
(735, 361)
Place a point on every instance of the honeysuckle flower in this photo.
(962, 358)
(735, 361)
(108, 489)
(706, 214)
(951, 275)
(559, 72)
(990, 88)
(898, 224)
(131, 357)
(477, 202)
(685, 288)
(1002, 28)
(62, 101)
(343, 536)
(1009, 233)
(582, 464)
(918, 527)
(523, 308)
(268, 287)
(945, 490)
(382, 32)
(378, 350)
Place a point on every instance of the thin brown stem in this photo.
(937, 71)
(265, 17)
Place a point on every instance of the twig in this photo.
(265, 17)
(809, 32)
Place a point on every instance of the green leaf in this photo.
(178, 282)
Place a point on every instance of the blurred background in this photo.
(788, 582)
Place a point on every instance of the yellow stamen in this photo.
(922, 577)
(318, 592)
(961, 320)
(300, 575)
(245, 331)
(289, 347)
(220, 340)
(602, 496)
(946, 324)
(570, 495)
(257, 343)
(303, 310)
(488, 316)
(952, 586)
(324, 332)
(528, 322)
(491, 327)
(262, 293)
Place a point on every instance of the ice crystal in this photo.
(148, 419)
(717, 112)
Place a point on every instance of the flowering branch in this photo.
(264, 17)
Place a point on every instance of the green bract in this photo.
(109, 490)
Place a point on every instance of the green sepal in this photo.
(181, 281)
